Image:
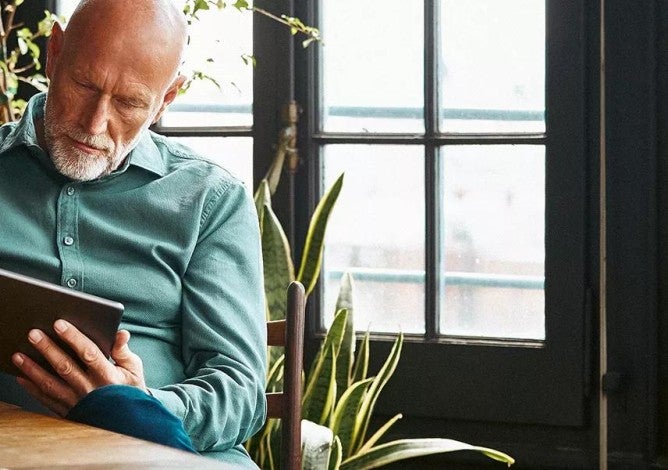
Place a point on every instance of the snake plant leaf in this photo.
(278, 268)
(320, 394)
(343, 419)
(387, 453)
(262, 198)
(264, 452)
(362, 361)
(334, 338)
(273, 175)
(378, 434)
(275, 374)
(317, 444)
(369, 403)
(344, 360)
(309, 268)
(335, 455)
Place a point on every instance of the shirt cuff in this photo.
(170, 400)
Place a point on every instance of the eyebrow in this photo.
(140, 97)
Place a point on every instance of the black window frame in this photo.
(495, 381)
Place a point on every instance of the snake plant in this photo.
(339, 392)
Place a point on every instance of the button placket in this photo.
(67, 235)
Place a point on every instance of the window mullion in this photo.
(432, 252)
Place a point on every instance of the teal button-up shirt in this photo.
(175, 239)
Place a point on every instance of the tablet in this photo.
(27, 303)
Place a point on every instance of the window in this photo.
(462, 215)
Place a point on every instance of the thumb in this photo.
(123, 356)
(120, 350)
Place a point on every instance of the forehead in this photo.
(119, 69)
(115, 61)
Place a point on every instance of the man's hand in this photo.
(60, 393)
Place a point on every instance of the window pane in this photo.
(66, 7)
(376, 231)
(493, 261)
(372, 79)
(235, 154)
(492, 70)
(218, 40)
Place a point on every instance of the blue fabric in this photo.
(128, 410)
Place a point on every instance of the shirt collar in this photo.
(145, 155)
(23, 131)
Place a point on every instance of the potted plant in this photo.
(339, 392)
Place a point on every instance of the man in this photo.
(92, 200)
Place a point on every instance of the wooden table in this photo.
(32, 441)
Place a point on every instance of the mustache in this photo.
(99, 142)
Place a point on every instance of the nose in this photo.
(95, 117)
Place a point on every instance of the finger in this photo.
(59, 408)
(61, 362)
(87, 350)
(121, 350)
(126, 359)
(47, 387)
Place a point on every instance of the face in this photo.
(99, 102)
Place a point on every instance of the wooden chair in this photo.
(287, 405)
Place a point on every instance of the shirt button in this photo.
(70, 190)
(68, 241)
(71, 282)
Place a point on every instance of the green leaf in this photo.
(335, 455)
(261, 198)
(241, 5)
(273, 176)
(379, 381)
(344, 359)
(312, 257)
(200, 5)
(378, 434)
(333, 338)
(343, 419)
(278, 268)
(362, 362)
(34, 50)
(408, 448)
(275, 374)
(320, 393)
(249, 59)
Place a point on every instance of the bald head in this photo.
(157, 26)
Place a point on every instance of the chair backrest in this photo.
(287, 405)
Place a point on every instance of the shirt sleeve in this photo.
(222, 402)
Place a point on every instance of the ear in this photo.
(170, 95)
(54, 49)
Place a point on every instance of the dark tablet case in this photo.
(27, 303)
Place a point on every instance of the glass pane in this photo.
(492, 70)
(372, 66)
(235, 154)
(66, 7)
(376, 232)
(493, 247)
(217, 43)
